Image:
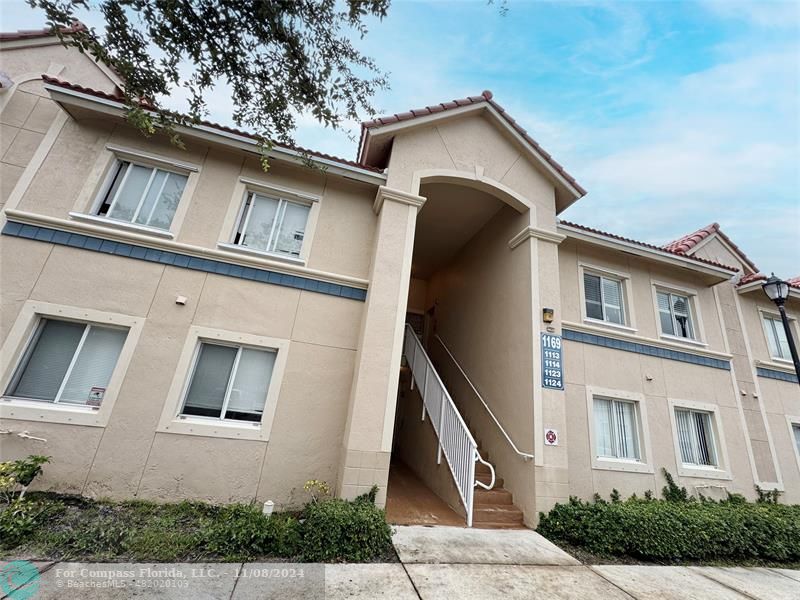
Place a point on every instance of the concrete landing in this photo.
(457, 545)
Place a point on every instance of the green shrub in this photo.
(20, 519)
(666, 530)
(337, 529)
(241, 531)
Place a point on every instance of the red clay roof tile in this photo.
(486, 97)
(646, 245)
(119, 98)
(27, 34)
(684, 244)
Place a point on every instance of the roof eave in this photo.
(70, 97)
(571, 192)
(662, 256)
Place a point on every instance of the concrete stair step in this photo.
(495, 496)
(481, 468)
(499, 514)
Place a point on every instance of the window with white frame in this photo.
(796, 431)
(272, 225)
(696, 437)
(776, 338)
(675, 314)
(142, 195)
(67, 362)
(603, 298)
(229, 382)
(616, 429)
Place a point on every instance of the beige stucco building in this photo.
(181, 324)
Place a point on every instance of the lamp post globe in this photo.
(777, 290)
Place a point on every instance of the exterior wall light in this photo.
(777, 290)
(547, 315)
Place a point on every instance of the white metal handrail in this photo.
(455, 440)
(524, 455)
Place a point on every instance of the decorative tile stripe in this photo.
(626, 346)
(779, 375)
(165, 257)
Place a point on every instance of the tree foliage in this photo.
(280, 58)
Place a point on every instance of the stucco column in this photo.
(367, 443)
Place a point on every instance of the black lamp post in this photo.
(777, 290)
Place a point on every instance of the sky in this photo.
(672, 114)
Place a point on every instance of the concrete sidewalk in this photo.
(436, 563)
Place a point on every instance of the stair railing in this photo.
(455, 440)
(524, 455)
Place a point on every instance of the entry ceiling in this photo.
(447, 221)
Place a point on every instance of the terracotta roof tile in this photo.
(486, 97)
(689, 241)
(646, 245)
(28, 34)
(120, 98)
(792, 281)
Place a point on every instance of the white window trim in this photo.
(627, 305)
(18, 340)
(722, 470)
(99, 181)
(763, 313)
(694, 313)
(645, 462)
(172, 422)
(793, 421)
(243, 187)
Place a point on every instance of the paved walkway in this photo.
(436, 563)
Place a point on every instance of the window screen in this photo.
(695, 437)
(603, 298)
(68, 362)
(229, 382)
(143, 195)
(616, 429)
(272, 225)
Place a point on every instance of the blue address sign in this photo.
(552, 362)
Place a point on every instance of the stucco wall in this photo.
(128, 458)
(483, 313)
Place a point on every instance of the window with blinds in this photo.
(68, 362)
(695, 437)
(616, 429)
(603, 298)
(272, 225)
(776, 338)
(675, 315)
(229, 382)
(142, 195)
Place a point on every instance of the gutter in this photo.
(206, 132)
(651, 253)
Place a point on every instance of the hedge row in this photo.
(662, 530)
(66, 528)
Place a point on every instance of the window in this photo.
(142, 195)
(796, 431)
(616, 429)
(603, 298)
(68, 363)
(695, 437)
(675, 314)
(229, 382)
(776, 338)
(272, 225)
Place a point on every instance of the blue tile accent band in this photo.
(779, 375)
(165, 257)
(626, 346)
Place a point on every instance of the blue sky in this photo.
(672, 114)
